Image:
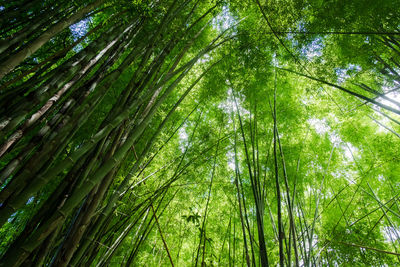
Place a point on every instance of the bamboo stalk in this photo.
(12, 62)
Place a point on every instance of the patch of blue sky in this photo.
(391, 233)
(343, 74)
(290, 35)
(314, 49)
(391, 92)
(275, 61)
(183, 138)
(79, 30)
(322, 127)
(206, 58)
(223, 20)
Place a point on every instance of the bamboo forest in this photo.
(199, 133)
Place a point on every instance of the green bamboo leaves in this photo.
(203, 133)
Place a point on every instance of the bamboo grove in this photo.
(199, 133)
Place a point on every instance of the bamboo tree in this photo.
(260, 226)
(278, 192)
(17, 58)
(290, 205)
(239, 199)
(203, 225)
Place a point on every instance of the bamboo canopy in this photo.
(199, 133)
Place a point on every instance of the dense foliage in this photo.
(199, 133)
